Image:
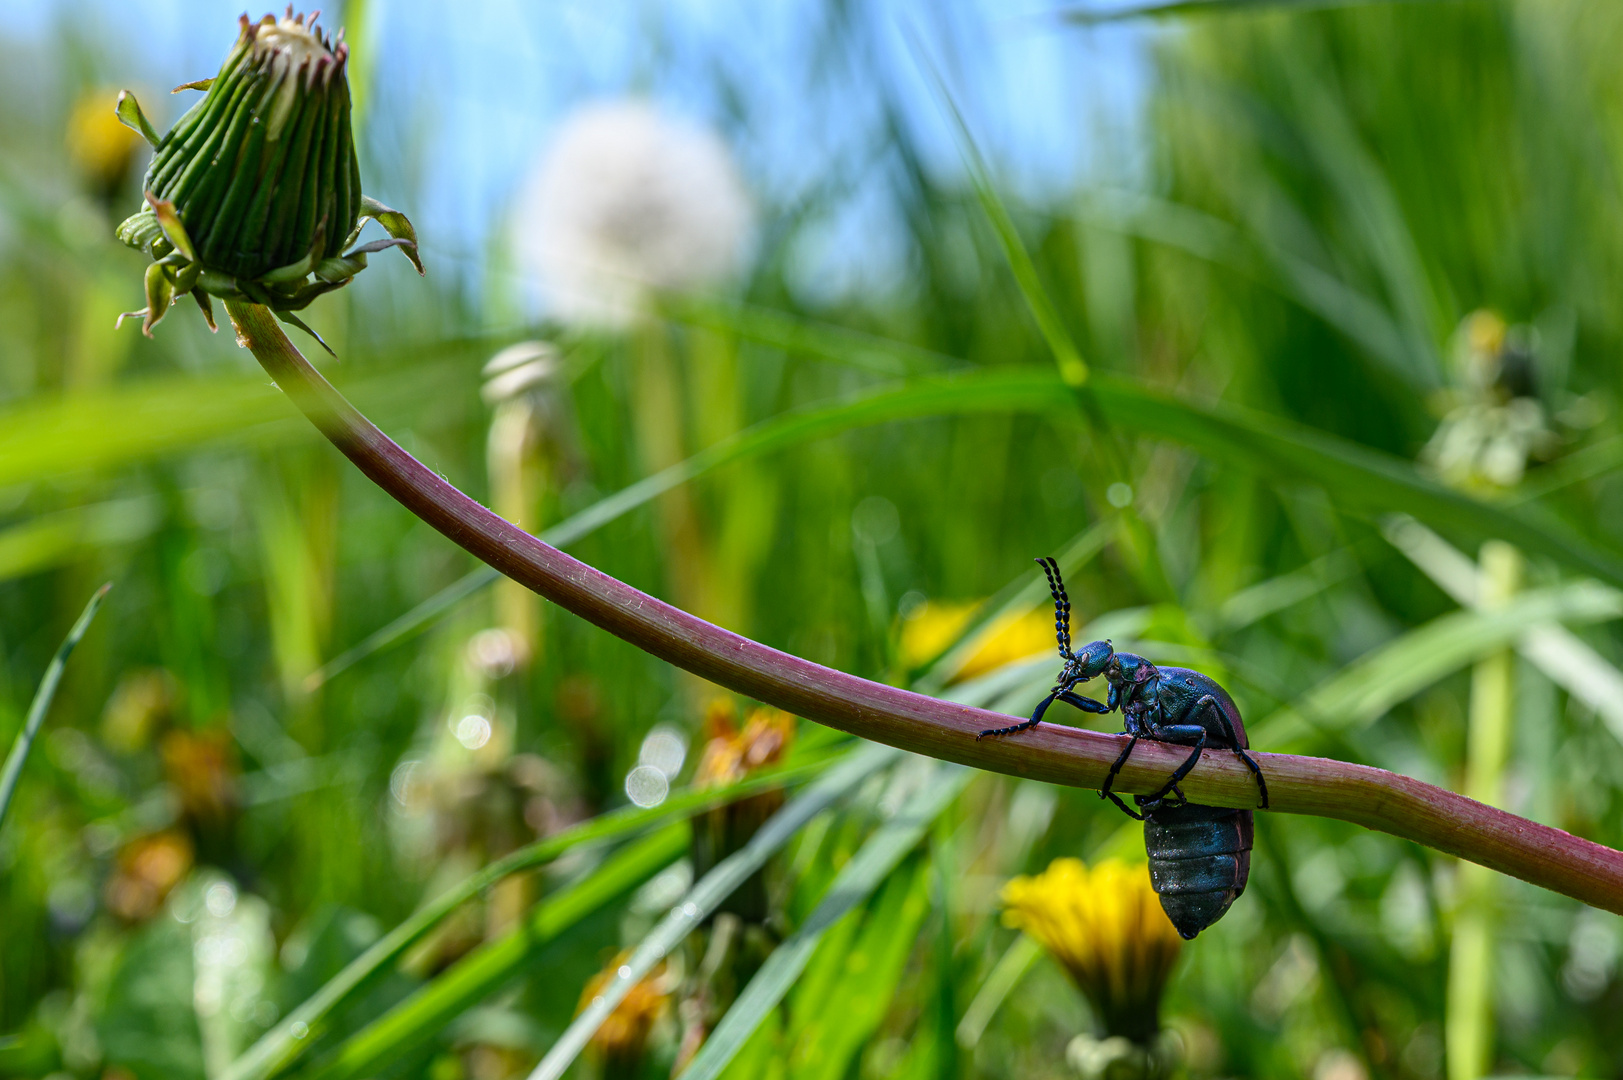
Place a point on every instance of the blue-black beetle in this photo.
(1200, 856)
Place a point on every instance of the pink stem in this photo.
(1374, 798)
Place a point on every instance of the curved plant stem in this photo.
(1373, 798)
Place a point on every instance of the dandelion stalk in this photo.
(1374, 798)
(1468, 1025)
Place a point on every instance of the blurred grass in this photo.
(1265, 279)
(40, 707)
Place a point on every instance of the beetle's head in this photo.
(1094, 659)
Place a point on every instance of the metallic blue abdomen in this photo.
(1200, 857)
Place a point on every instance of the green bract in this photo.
(255, 194)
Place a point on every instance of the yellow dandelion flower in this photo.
(1105, 926)
(928, 632)
(99, 143)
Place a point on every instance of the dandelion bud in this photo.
(256, 194)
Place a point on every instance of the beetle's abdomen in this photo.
(1200, 857)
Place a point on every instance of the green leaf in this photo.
(1265, 598)
(147, 1023)
(42, 701)
(397, 225)
(857, 880)
(1565, 658)
(289, 1039)
(117, 426)
(130, 115)
(174, 230)
(1362, 692)
(707, 893)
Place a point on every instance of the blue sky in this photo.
(460, 106)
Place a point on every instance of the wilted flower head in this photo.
(627, 200)
(255, 194)
(1494, 422)
(930, 630)
(148, 868)
(201, 766)
(730, 755)
(622, 1040)
(1107, 929)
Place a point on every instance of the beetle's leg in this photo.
(1036, 718)
(1233, 737)
(1086, 704)
(1185, 735)
(1128, 810)
(1110, 777)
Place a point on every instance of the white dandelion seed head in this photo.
(626, 200)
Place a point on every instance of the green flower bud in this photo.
(256, 194)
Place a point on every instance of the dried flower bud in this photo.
(730, 755)
(621, 1043)
(256, 194)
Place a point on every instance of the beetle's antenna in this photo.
(1062, 606)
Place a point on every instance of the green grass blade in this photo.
(51, 540)
(1183, 228)
(707, 894)
(1006, 974)
(405, 626)
(45, 438)
(1364, 690)
(1021, 595)
(1565, 658)
(1275, 448)
(796, 335)
(1360, 477)
(147, 419)
(857, 880)
(1595, 460)
(827, 1037)
(488, 968)
(1265, 598)
(42, 702)
(963, 394)
(1072, 368)
(287, 1041)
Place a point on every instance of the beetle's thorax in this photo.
(1132, 678)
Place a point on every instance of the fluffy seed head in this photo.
(627, 201)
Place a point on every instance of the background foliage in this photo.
(205, 837)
